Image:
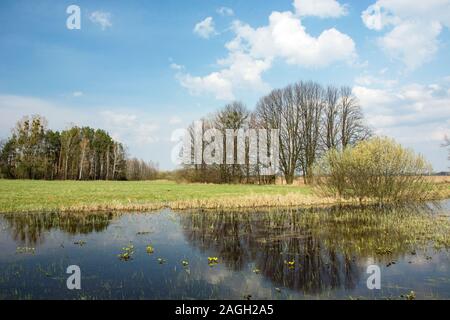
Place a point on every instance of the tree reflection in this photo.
(30, 228)
(330, 247)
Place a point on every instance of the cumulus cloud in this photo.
(252, 51)
(415, 27)
(205, 28)
(103, 19)
(285, 37)
(239, 69)
(320, 8)
(414, 43)
(225, 11)
(406, 108)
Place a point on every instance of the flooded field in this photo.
(274, 254)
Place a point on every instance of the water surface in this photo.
(330, 257)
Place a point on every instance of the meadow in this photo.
(44, 196)
(89, 196)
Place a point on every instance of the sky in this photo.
(143, 69)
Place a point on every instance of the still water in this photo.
(276, 254)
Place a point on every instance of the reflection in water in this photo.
(29, 229)
(273, 254)
(269, 241)
(329, 246)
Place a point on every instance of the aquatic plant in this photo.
(80, 243)
(127, 253)
(212, 261)
(150, 249)
(290, 264)
(409, 296)
(25, 250)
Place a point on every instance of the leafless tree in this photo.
(310, 100)
(233, 116)
(352, 124)
(278, 110)
(331, 118)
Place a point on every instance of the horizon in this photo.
(124, 72)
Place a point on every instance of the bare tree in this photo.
(233, 116)
(352, 124)
(310, 100)
(331, 118)
(278, 110)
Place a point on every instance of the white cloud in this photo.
(252, 51)
(239, 70)
(130, 127)
(319, 8)
(205, 28)
(376, 18)
(13, 108)
(77, 94)
(367, 80)
(416, 26)
(125, 127)
(225, 11)
(285, 37)
(416, 115)
(175, 66)
(412, 42)
(101, 18)
(406, 106)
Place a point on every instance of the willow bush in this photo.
(378, 169)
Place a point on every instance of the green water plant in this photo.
(25, 250)
(212, 261)
(127, 253)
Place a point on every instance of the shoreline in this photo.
(256, 201)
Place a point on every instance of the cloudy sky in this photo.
(142, 69)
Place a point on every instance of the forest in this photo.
(78, 153)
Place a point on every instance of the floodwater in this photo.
(274, 254)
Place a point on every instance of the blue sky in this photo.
(142, 69)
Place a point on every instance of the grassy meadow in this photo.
(31, 196)
(84, 196)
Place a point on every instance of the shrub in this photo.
(377, 169)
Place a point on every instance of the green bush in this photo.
(377, 169)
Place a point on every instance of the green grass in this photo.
(28, 195)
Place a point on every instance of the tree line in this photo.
(78, 153)
(311, 120)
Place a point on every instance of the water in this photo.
(253, 250)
